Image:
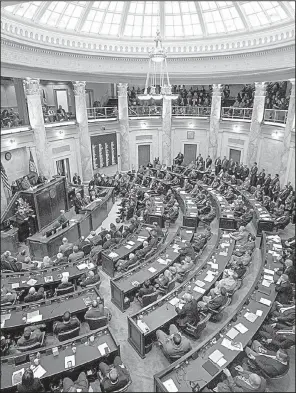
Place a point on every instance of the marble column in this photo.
(84, 138)
(255, 128)
(214, 121)
(124, 162)
(32, 90)
(21, 100)
(167, 132)
(286, 144)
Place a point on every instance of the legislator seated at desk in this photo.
(216, 299)
(173, 345)
(64, 283)
(80, 385)
(115, 376)
(82, 242)
(283, 313)
(76, 255)
(79, 203)
(240, 237)
(95, 239)
(277, 336)
(8, 296)
(10, 263)
(32, 335)
(21, 256)
(189, 312)
(109, 241)
(245, 381)
(271, 363)
(143, 251)
(60, 259)
(8, 348)
(34, 296)
(123, 264)
(90, 278)
(65, 245)
(30, 384)
(68, 323)
(249, 246)
(97, 310)
(147, 289)
(245, 259)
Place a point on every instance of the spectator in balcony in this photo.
(62, 114)
(14, 118)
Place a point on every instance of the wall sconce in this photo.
(190, 125)
(61, 133)
(12, 142)
(275, 134)
(144, 125)
(236, 128)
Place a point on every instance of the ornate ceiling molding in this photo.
(35, 36)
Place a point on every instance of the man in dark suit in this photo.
(82, 242)
(76, 255)
(266, 184)
(95, 239)
(64, 283)
(32, 335)
(215, 301)
(245, 172)
(79, 203)
(147, 289)
(218, 166)
(143, 251)
(81, 384)
(261, 178)
(225, 163)
(115, 376)
(208, 162)
(96, 310)
(254, 171)
(284, 290)
(189, 312)
(22, 221)
(275, 335)
(60, 259)
(68, 323)
(90, 279)
(274, 364)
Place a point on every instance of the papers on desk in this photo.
(221, 362)
(232, 346)
(65, 274)
(104, 349)
(182, 192)
(259, 313)
(152, 269)
(34, 316)
(226, 235)
(128, 246)
(216, 356)
(188, 231)
(141, 239)
(135, 283)
(199, 289)
(69, 361)
(112, 255)
(213, 265)
(15, 285)
(268, 271)
(39, 371)
(174, 301)
(266, 283)
(176, 246)
(82, 266)
(210, 276)
(224, 253)
(143, 326)
(162, 261)
(132, 243)
(265, 301)
(170, 385)
(250, 316)
(90, 266)
(232, 333)
(241, 328)
(200, 283)
(48, 279)
(268, 278)
(31, 282)
(87, 301)
(17, 376)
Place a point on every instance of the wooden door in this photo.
(143, 155)
(189, 153)
(235, 155)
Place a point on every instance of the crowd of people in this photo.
(10, 118)
(51, 115)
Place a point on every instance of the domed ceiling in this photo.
(140, 19)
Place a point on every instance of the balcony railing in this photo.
(198, 111)
(137, 111)
(236, 113)
(105, 112)
(276, 115)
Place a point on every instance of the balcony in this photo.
(276, 116)
(231, 113)
(98, 113)
(191, 111)
(143, 111)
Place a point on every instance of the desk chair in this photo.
(9, 303)
(86, 249)
(96, 323)
(67, 252)
(168, 288)
(216, 314)
(195, 330)
(253, 366)
(64, 291)
(148, 299)
(32, 346)
(64, 336)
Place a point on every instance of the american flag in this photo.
(4, 179)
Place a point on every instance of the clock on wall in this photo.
(7, 156)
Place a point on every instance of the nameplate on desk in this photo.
(112, 255)
(65, 274)
(143, 326)
(264, 301)
(216, 356)
(17, 376)
(131, 243)
(162, 261)
(199, 289)
(128, 246)
(70, 361)
(170, 386)
(104, 349)
(200, 283)
(268, 271)
(82, 266)
(152, 269)
(36, 318)
(39, 371)
(48, 279)
(174, 301)
(241, 328)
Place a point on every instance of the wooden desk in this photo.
(124, 285)
(51, 309)
(20, 280)
(207, 347)
(122, 251)
(156, 211)
(80, 225)
(161, 312)
(86, 354)
(9, 241)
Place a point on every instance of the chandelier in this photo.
(157, 84)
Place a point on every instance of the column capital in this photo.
(122, 89)
(79, 88)
(31, 86)
(260, 88)
(217, 89)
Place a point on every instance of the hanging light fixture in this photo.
(157, 84)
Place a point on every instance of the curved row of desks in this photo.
(127, 283)
(199, 357)
(17, 317)
(82, 224)
(89, 351)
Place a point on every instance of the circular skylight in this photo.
(141, 19)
